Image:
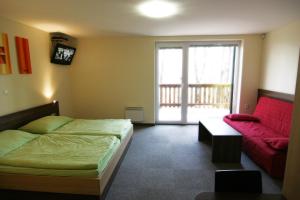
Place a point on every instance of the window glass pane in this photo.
(212, 64)
(209, 81)
(170, 66)
(169, 80)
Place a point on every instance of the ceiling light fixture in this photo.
(157, 9)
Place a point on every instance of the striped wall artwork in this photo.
(23, 55)
(5, 64)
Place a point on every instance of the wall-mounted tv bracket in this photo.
(61, 38)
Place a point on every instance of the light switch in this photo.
(5, 92)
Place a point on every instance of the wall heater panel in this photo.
(136, 114)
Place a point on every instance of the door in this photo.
(194, 79)
(210, 80)
(169, 83)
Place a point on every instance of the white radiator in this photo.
(136, 114)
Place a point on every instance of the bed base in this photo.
(57, 186)
(19, 195)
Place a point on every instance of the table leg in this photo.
(203, 133)
(226, 149)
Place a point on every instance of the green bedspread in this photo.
(115, 127)
(13, 139)
(62, 152)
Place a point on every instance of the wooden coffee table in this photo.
(226, 141)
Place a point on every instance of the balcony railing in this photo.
(199, 95)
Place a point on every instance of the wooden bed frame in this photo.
(275, 95)
(93, 186)
(18, 119)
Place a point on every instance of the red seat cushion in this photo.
(251, 129)
(275, 114)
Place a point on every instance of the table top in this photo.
(217, 127)
(237, 196)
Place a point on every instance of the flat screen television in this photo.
(63, 54)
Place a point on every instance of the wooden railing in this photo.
(204, 95)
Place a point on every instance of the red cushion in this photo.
(275, 114)
(242, 117)
(277, 143)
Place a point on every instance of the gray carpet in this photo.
(167, 162)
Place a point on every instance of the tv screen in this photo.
(63, 54)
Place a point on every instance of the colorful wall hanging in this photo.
(5, 64)
(23, 55)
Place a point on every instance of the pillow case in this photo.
(45, 124)
(242, 117)
(277, 143)
(12, 139)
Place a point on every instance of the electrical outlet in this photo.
(246, 106)
(5, 92)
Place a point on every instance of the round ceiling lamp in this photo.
(157, 9)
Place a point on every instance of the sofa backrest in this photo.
(275, 114)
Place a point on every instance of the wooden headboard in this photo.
(275, 95)
(20, 118)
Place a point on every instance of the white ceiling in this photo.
(119, 17)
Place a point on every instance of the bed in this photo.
(88, 181)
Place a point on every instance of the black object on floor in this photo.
(248, 181)
(237, 196)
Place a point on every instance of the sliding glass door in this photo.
(210, 80)
(169, 78)
(194, 80)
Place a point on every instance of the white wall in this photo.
(110, 73)
(47, 81)
(280, 59)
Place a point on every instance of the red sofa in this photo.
(266, 133)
